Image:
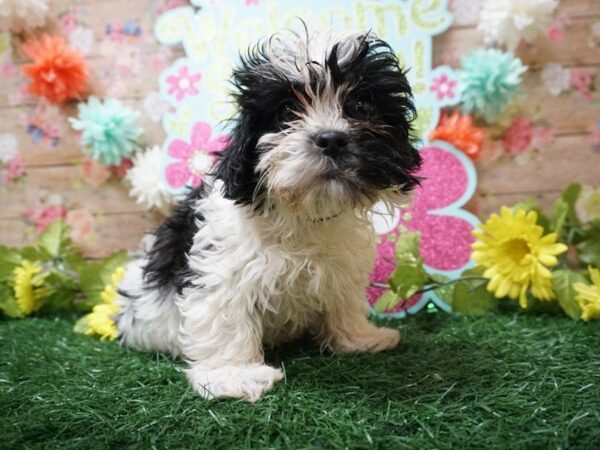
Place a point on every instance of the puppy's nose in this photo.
(331, 142)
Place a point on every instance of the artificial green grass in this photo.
(500, 381)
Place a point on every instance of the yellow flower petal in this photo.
(101, 320)
(512, 248)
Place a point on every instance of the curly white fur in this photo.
(17, 15)
(259, 282)
(507, 22)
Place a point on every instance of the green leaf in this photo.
(55, 240)
(559, 216)
(110, 264)
(408, 279)
(60, 299)
(8, 303)
(34, 254)
(471, 297)
(9, 259)
(95, 276)
(409, 275)
(562, 283)
(570, 196)
(388, 300)
(444, 292)
(588, 248)
(407, 246)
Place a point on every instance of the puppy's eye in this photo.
(360, 109)
(285, 111)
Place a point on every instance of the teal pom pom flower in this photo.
(490, 79)
(108, 131)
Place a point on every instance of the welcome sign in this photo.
(216, 32)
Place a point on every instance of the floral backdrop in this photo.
(545, 135)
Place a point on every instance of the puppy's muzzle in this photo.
(332, 143)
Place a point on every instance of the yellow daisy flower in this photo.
(589, 296)
(28, 286)
(100, 320)
(517, 255)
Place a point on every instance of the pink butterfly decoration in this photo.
(449, 181)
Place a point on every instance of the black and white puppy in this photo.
(278, 241)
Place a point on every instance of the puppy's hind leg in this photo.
(221, 339)
(346, 328)
(149, 318)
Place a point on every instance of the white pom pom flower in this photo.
(146, 179)
(507, 22)
(18, 15)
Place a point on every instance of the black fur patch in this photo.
(378, 104)
(167, 260)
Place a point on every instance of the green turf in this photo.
(501, 381)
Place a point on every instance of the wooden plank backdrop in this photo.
(121, 223)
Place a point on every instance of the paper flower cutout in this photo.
(145, 177)
(18, 15)
(57, 72)
(195, 158)
(459, 131)
(490, 79)
(449, 182)
(183, 83)
(507, 22)
(108, 131)
(443, 87)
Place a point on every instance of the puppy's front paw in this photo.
(248, 382)
(371, 339)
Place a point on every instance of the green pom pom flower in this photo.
(108, 131)
(490, 80)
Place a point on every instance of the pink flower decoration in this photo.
(8, 69)
(540, 136)
(68, 22)
(44, 217)
(94, 173)
(582, 81)
(445, 235)
(183, 83)
(518, 138)
(443, 86)
(251, 2)
(595, 137)
(82, 224)
(556, 30)
(121, 170)
(14, 169)
(194, 158)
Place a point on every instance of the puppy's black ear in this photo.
(237, 164)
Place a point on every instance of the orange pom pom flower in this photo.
(57, 72)
(459, 131)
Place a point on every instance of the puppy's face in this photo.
(324, 125)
